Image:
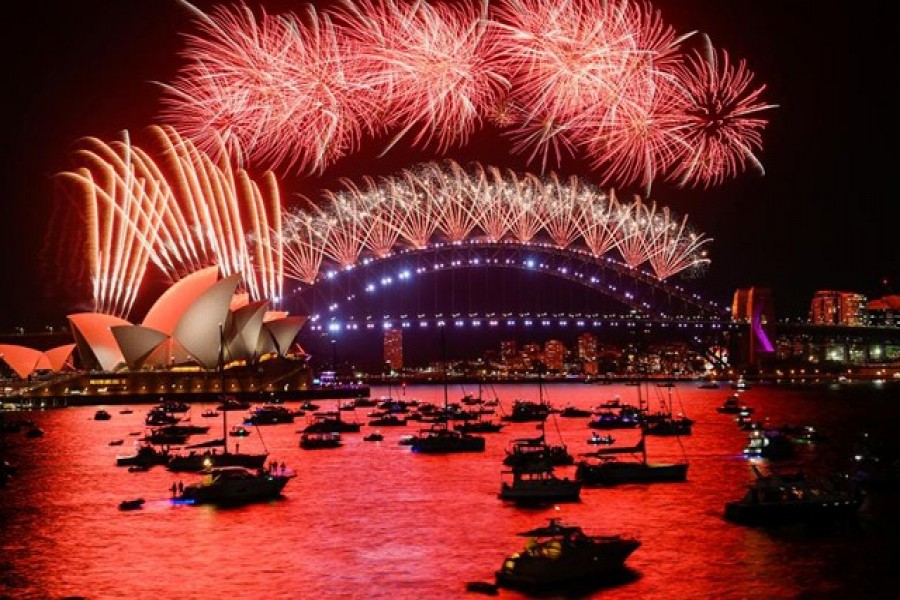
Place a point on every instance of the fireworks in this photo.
(181, 213)
(446, 203)
(604, 80)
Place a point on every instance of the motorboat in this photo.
(116, 442)
(523, 411)
(145, 456)
(781, 499)
(625, 417)
(313, 440)
(194, 461)
(769, 443)
(269, 414)
(232, 404)
(102, 415)
(573, 411)
(558, 554)
(235, 485)
(375, 436)
(388, 420)
(732, 405)
(209, 413)
(239, 431)
(527, 450)
(135, 504)
(536, 483)
(327, 421)
(596, 439)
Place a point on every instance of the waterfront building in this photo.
(554, 355)
(884, 311)
(829, 307)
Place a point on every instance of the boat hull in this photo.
(526, 571)
(615, 472)
(782, 513)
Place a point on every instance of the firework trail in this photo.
(435, 203)
(604, 80)
(181, 212)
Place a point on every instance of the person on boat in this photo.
(174, 489)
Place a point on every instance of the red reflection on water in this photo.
(374, 520)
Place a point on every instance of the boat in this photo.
(777, 499)
(210, 458)
(665, 421)
(34, 432)
(388, 420)
(160, 416)
(573, 411)
(536, 483)
(269, 414)
(626, 416)
(740, 384)
(326, 421)
(239, 431)
(406, 439)
(605, 467)
(231, 403)
(209, 413)
(732, 405)
(596, 438)
(145, 456)
(441, 437)
(102, 415)
(557, 555)
(116, 442)
(126, 411)
(235, 485)
(524, 411)
(138, 468)
(134, 504)
(375, 436)
(313, 440)
(769, 443)
(526, 450)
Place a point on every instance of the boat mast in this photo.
(444, 360)
(221, 366)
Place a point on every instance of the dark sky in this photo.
(820, 217)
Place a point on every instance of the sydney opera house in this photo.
(200, 338)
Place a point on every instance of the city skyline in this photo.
(775, 231)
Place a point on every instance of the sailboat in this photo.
(665, 421)
(480, 424)
(441, 438)
(209, 458)
(604, 467)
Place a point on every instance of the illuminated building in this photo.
(393, 348)
(830, 307)
(554, 355)
(884, 311)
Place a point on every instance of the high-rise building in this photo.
(554, 355)
(587, 346)
(393, 348)
(829, 307)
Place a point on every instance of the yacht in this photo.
(779, 499)
(558, 554)
(235, 485)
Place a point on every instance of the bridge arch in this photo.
(639, 291)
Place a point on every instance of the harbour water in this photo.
(374, 520)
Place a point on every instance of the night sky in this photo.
(820, 218)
